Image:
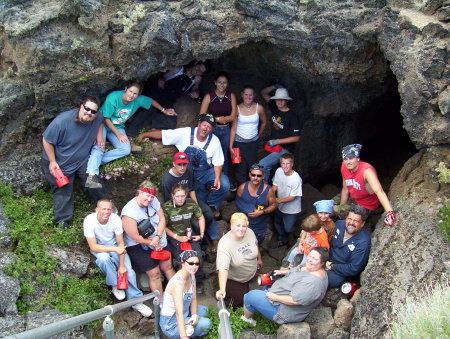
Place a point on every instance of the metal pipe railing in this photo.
(58, 327)
(156, 303)
(225, 331)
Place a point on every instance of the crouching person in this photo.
(104, 235)
(181, 316)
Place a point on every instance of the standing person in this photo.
(360, 183)
(169, 87)
(284, 130)
(118, 107)
(246, 131)
(257, 201)
(143, 206)
(66, 144)
(179, 211)
(182, 173)
(238, 258)
(179, 310)
(222, 105)
(104, 235)
(291, 298)
(288, 186)
(350, 248)
(205, 156)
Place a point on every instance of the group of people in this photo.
(173, 234)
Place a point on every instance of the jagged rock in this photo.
(339, 333)
(227, 209)
(310, 196)
(294, 331)
(6, 242)
(71, 259)
(320, 321)
(444, 101)
(249, 334)
(343, 314)
(10, 325)
(37, 319)
(443, 14)
(6, 259)
(400, 264)
(9, 295)
(332, 297)
(4, 221)
(223, 227)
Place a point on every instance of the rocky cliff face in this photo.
(340, 60)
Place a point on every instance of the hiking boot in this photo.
(144, 310)
(250, 321)
(119, 294)
(93, 182)
(135, 148)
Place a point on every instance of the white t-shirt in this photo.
(181, 138)
(134, 211)
(104, 234)
(289, 186)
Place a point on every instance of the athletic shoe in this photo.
(144, 310)
(93, 181)
(119, 294)
(250, 321)
(233, 187)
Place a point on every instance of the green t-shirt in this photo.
(179, 218)
(114, 109)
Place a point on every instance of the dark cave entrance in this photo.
(373, 119)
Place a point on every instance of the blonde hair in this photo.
(238, 216)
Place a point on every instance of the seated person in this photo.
(104, 235)
(324, 208)
(178, 213)
(145, 205)
(118, 107)
(257, 201)
(350, 248)
(169, 87)
(313, 235)
(291, 298)
(238, 258)
(181, 317)
(360, 184)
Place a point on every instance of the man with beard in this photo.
(67, 142)
(257, 201)
(350, 248)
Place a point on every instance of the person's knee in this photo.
(103, 259)
(224, 182)
(334, 279)
(125, 149)
(154, 273)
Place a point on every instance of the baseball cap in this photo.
(208, 118)
(180, 158)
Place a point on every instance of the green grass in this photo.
(32, 230)
(427, 316)
(263, 325)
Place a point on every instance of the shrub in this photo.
(427, 316)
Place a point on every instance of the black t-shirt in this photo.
(283, 125)
(169, 180)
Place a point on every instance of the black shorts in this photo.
(141, 258)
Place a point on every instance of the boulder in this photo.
(6, 259)
(12, 324)
(73, 259)
(320, 321)
(402, 262)
(343, 314)
(9, 295)
(294, 331)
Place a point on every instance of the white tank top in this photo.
(168, 306)
(247, 125)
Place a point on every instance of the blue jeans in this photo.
(108, 262)
(211, 224)
(284, 224)
(270, 161)
(223, 133)
(335, 279)
(100, 157)
(214, 197)
(256, 301)
(170, 327)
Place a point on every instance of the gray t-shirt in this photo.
(305, 288)
(72, 140)
(134, 211)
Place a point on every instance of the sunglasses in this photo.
(256, 175)
(88, 109)
(193, 263)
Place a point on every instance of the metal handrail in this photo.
(58, 327)
(225, 331)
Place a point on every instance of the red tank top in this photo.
(355, 186)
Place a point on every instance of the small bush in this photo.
(427, 316)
